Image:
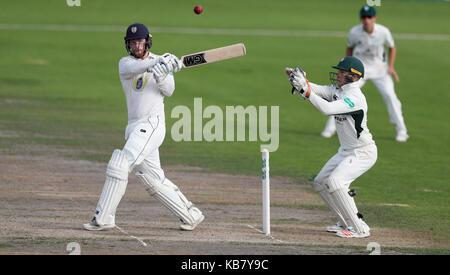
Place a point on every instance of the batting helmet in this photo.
(137, 31)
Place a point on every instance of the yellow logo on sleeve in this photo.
(139, 82)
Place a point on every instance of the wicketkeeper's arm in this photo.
(325, 92)
(335, 107)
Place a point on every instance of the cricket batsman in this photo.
(367, 42)
(146, 79)
(357, 152)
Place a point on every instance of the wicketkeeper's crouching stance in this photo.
(357, 153)
(146, 78)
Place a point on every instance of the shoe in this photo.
(335, 228)
(327, 133)
(94, 226)
(351, 233)
(190, 227)
(366, 227)
(402, 136)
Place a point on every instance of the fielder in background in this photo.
(146, 79)
(367, 41)
(357, 153)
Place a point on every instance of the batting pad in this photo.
(171, 197)
(325, 195)
(113, 190)
(347, 207)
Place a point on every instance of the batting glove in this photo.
(176, 64)
(173, 63)
(160, 71)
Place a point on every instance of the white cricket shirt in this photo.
(145, 97)
(349, 107)
(370, 48)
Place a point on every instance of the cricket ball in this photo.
(198, 9)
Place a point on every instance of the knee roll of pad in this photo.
(118, 166)
(333, 184)
(318, 187)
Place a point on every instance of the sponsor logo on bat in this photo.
(194, 59)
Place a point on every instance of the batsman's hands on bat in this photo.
(173, 63)
(165, 64)
(153, 62)
(176, 64)
(160, 71)
(297, 78)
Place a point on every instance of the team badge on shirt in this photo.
(139, 82)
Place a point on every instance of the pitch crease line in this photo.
(131, 236)
(269, 236)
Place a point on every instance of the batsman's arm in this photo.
(129, 67)
(167, 86)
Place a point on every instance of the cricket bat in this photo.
(213, 55)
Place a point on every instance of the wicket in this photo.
(265, 192)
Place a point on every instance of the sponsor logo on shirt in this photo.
(139, 83)
(349, 102)
(340, 118)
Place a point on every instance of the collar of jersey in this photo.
(375, 27)
(350, 86)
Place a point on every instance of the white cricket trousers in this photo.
(347, 165)
(140, 151)
(143, 140)
(333, 182)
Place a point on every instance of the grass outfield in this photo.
(61, 89)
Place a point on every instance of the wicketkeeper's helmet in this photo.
(137, 31)
(350, 64)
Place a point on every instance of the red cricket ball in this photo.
(198, 9)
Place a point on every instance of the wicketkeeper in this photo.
(146, 79)
(357, 153)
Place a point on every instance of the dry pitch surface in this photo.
(46, 199)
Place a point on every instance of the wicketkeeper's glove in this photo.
(300, 85)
